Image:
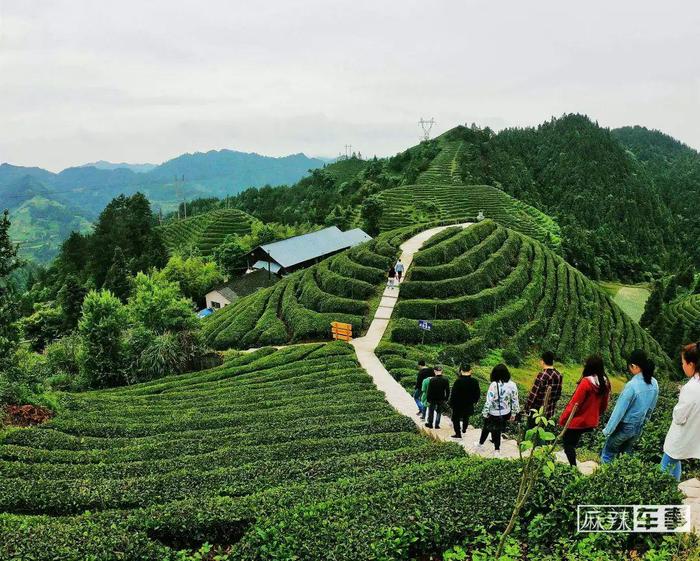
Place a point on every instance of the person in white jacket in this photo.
(683, 438)
(501, 404)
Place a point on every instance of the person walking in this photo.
(501, 404)
(548, 377)
(683, 437)
(399, 270)
(463, 397)
(423, 373)
(591, 400)
(438, 392)
(633, 408)
(391, 277)
(424, 394)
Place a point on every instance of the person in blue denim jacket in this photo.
(633, 408)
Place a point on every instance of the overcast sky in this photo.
(144, 81)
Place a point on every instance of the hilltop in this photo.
(440, 194)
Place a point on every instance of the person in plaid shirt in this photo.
(548, 377)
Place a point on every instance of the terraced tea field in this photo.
(686, 309)
(490, 287)
(288, 454)
(205, 231)
(440, 195)
(302, 306)
(205, 456)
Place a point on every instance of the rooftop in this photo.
(299, 249)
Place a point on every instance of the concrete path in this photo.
(397, 396)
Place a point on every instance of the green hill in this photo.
(440, 193)
(489, 287)
(205, 231)
(414, 203)
(302, 306)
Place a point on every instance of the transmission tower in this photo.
(180, 194)
(427, 127)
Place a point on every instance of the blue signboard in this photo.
(424, 324)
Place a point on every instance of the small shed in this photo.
(238, 287)
(295, 253)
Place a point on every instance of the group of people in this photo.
(395, 274)
(583, 412)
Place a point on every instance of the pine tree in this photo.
(70, 297)
(118, 279)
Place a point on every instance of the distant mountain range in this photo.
(45, 206)
(136, 168)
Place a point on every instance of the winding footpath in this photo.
(395, 394)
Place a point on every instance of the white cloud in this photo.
(144, 81)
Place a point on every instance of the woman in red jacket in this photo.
(591, 395)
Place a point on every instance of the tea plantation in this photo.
(438, 193)
(205, 231)
(491, 287)
(288, 454)
(685, 310)
(302, 306)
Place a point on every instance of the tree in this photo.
(671, 289)
(265, 233)
(74, 254)
(158, 305)
(118, 280)
(70, 298)
(9, 262)
(195, 275)
(652, 308)
(341, 217)
(372, 210)
(101, 328)
(686, 277)
(230, 256)
(44, 326)
(125, 223)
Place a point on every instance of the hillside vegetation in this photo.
(439, 193)
(320, 467)
(302, 306)
(205, 231)
(616, 195)
(674, 169)
(490, 287)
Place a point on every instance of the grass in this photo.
(631, 298)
